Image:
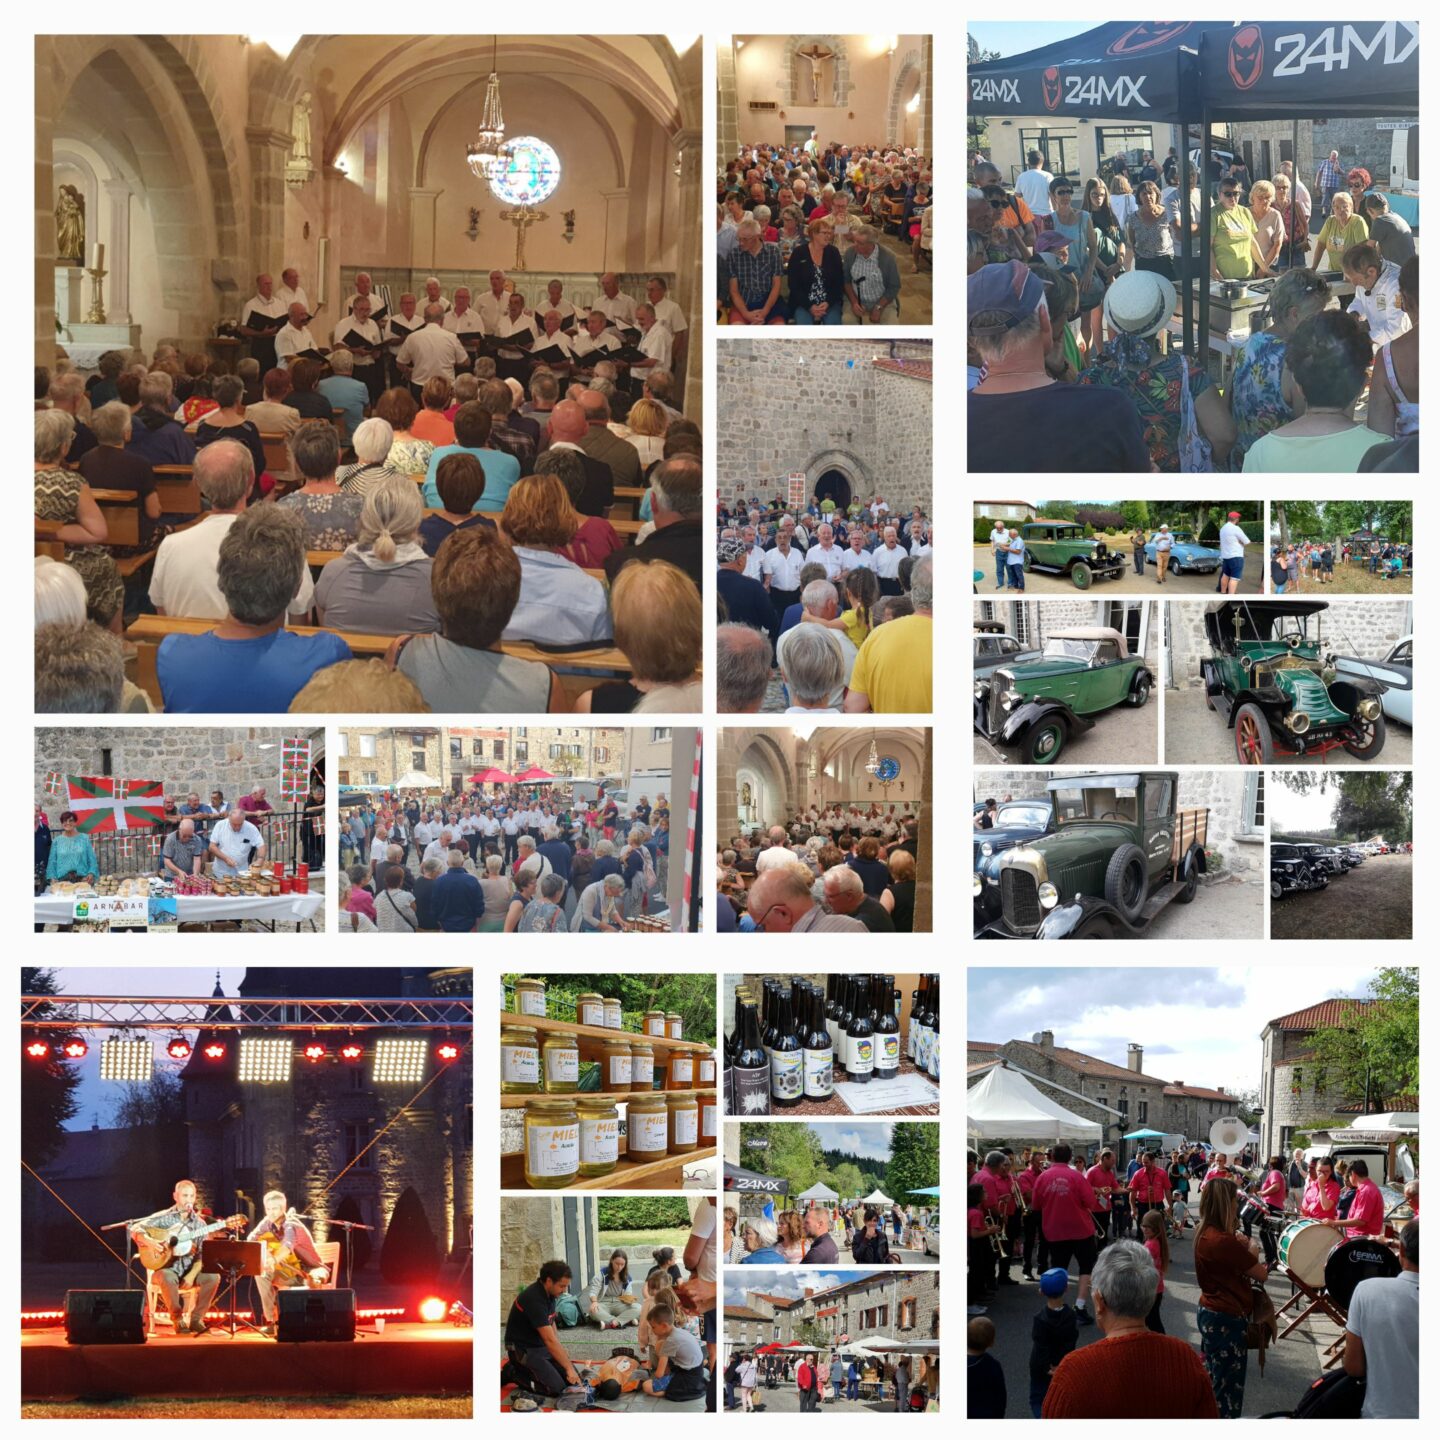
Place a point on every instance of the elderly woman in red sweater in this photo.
(1101, 1381)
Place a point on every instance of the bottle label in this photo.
(551, 1150)
(647, 1134)
(599, 1141)
(751, 1090)
(656, 1028)
(708, 1120)
(520, 1064)
(642, 1070)
(787, 1074)
(862, 1053)
(619, 1072)
(687, 1123)
(819, 1073)
(707, 1072)
(887, 1056)
(592, 1012)
(562, 1065)
(682, 1069)
(935, 1059)
(532, 1003)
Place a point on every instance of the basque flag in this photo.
(104, 803)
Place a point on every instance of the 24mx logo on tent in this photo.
(1147, 35)
(1091, 91)
(1333, 46)
(995, 91)
(1247, 56)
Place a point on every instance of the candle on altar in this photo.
(100, 256)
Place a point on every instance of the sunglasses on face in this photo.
(1229, 194)
(1000, 204)
(1066, 193)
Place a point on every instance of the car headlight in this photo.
(1298, 722)
(1012, 698)
(976, 887)
(987, 848)
(1369, 709)
(980, 690)
(1049, 896)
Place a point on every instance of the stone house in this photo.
(1032, 622)
(372, 755)
(1234, 797)
(1191, 1110)
(1265, 143)
(766, 1319)
(902, 1305)
(1012, 512)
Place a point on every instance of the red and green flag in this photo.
(104, 803)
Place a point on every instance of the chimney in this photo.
(1179, 1084)
(809, 1292)
(1136, 1058)
(1047, 1039)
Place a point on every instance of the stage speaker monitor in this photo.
(105, 1317)
(315, 1314)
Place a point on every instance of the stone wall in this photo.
(904, 409)
(1055, 613)
(182, 759)
(1357, 140)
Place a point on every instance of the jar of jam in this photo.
(560, 1063)
(682, 1122)
(599, 1136)
(709, 1120)
(642, 1066)
(552, 1144)
(705, 1069)
(590, 1009)
(519, 1060)
(647, 1128)
(680, 1070)
(530, 997)
(674, 1026)
(655, 1023)
(615, 1064)
(613, 1018)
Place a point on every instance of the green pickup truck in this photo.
(1063, 549)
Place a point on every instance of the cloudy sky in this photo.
(1289, 811)
(791, 1282)
(1198, 1025)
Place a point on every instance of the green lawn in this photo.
(1354, 580)
(629, 1239)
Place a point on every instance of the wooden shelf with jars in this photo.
(620, 1097)
(663, 1174)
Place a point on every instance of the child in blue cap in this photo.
(1052, 1335)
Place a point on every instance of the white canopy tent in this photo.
(818, 1192)
(884, 1345)
(417, 780)
(877, 1197)
(1004, 1105)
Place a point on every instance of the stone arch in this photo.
(909, 68)
(789, 81)
(768, 755)
(854, 470)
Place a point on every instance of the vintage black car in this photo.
(1119, 854)
(1322, 857)
(994, 647)
(1271, 676)
(1018, 822)
(1291, 872)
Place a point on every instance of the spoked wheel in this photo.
(1253, 745)
(1369, 738)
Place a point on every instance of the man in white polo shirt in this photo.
(857, 557)
(780, 574)
(431, 351)
(826, 552)
(295, 337)
(885, 561)
(235, 845)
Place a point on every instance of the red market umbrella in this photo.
(492, 776)
(534, 772)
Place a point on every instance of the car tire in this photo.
(1276, 889)
(1190, 889)
(1254, 745)
(1095, 930)
(1126, 881)
(1025, 562)
(1139, 692)
(1045, 740)
(1209, 699)
(1377, 741)
(1080, 575)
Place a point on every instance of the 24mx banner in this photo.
(102, 803)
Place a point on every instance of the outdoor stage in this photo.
(409, 1359)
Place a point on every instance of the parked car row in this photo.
(1308, 865)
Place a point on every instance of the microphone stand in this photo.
(349, 1225)
(126, 1226)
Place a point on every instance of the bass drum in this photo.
(1353, 1261)
(1303, 1248)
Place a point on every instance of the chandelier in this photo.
(872, 761)
(486, 154)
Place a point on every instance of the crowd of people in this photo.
(834, 868)
(818, 237)
(457, 511)
(818, 1234)
(1048, 1208)
(1310, 564)
(825, 609)
(897, 1383)
(510, 858)
(1072, 291)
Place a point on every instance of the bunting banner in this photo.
(294, 769)
(104, 803)
(279, 832)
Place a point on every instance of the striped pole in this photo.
(690, 826)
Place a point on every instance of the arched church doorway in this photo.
(834, 485)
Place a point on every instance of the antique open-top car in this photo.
(994, 647)
(1034, 707)
(1291, 871)
(1119, 854)
(1063, 548)
(1186, 553)
(1269, 674)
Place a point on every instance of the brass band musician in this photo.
(291, 1258)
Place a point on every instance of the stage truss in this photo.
(149, 1012)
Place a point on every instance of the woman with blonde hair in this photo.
(381, 584)
(1269, 223)
(497, 888)
(659, 626)
(898, 897)
(646, 422)
(790, 1236)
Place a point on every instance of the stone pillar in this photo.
(690, 265)
(269, 150)
(727, 103)
(727, 807)
(616, 242)
(44, 206)
(925, 863)
(117, 252)
(926, 131)
(422, 228)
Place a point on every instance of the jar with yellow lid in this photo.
(590, 1009)
(647, 1128)
(682, 1122)
(615, 1064)
(614, 1018)
(519, 1060)
(530, 997)
(560, 1064)
(599, 1136)
(680, 1070)
(552, 1143)
(705, 1068)
(709, 1120)
(655, 1023)
(642, 1066)
(674, 1026)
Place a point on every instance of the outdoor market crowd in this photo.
(1048, 1208)
(817, 1234)
(1309, 564)
(825, 610)
(518, 860)
(457, 511)
(1072, 289)
(850, 1375)
(807, 237)
(834, 869)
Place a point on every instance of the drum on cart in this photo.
(1352, 1261)
(1303, 1248)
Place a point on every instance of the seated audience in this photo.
(372, 443)
(110, 466)
(79, 670)
(409, 454)
(228, 421)
(156, 435)
(431, 422)
(658, 629)
(330, 515)
(676, 496)
(344, 392)
(272, 416)
(470, 435)
(304, 397)
(359, 687)
(597, 538)
(60, 604)
(459, 482)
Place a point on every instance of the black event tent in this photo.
(1191, 72)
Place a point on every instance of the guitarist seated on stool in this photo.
(186, 1225)
(290, 1255)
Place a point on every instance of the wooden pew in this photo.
(121, 509)
(319, 559)
(47, 541)
(178, 489)
(277, 454)
(634, 494)
(594, 665)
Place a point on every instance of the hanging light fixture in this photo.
(872, 761)
(486, 153)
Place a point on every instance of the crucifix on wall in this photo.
(816, 54)
(522, 217)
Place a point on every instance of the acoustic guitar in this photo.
(160, 1245)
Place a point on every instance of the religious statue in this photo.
(816, 55)
(300, 131)
(70, 226)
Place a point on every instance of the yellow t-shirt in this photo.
(894, 667)
(855, 628)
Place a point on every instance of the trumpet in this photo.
(1019, 1195)
(996, 1243)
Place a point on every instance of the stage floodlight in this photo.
(448, 1050)
(265, 1060)
(215, 1050)
(178, 1049)
(352, 1052)
(315, 1052)
(38, 1050)
(132, 1061)
(400, 1062)
(432, 1309)
(76, 1049)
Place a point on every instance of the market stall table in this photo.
(202, 909)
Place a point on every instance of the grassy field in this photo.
(1354, 580)
(339, 1407)
(628, 1239)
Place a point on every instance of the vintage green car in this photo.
(1120, 853)
(1271, 676)
(1033, 708)
(1064, 549)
